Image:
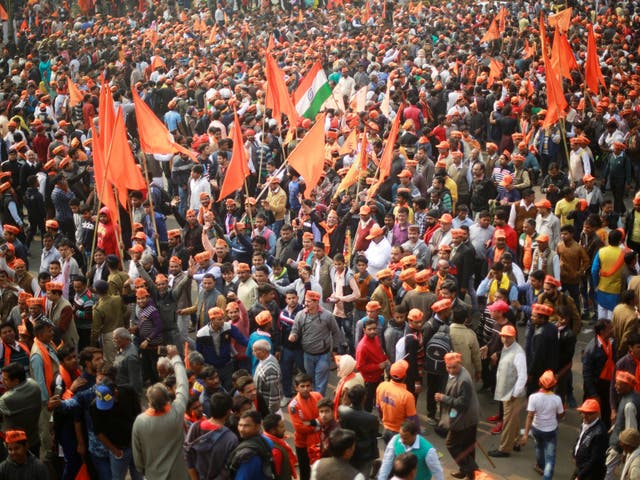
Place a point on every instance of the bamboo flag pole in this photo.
(150, 198)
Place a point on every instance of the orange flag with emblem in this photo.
(308, 156)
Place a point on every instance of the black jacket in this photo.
(366, 426)
(591, 455)
(593, 360)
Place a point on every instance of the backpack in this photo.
(246, 450)
(435, 350)
(203, 444)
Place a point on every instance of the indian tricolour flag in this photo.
(312, 92)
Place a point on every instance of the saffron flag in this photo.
(592, 73)
(308, 156)
(106, 117)
(385, 106)
(104, 188)
(561, 20)
(502, 19)
(4, 16)
(387, 155)
(363, 151)
(359, 100)
(560, 59)
(495, 71)
(493, 33)
(75, 95)
(154, 136)
(122, 168)
(556, 102)
(277, 96)
(238, 169)
(349, 145)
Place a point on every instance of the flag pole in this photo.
(248, 211)
(95, 230)
(150, 198)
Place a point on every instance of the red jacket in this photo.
(369, 356)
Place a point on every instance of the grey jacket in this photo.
(459, 404)
(316, 331)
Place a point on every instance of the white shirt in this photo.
(196, 187)
(378, 255)
(547, 407)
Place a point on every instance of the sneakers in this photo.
(538, 470)
(494, 419)
(284, 402)
(497, 429)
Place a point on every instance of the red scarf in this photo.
(637, 388)
(609, 365)
(389, 294)
(292, 456)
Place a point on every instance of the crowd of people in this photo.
(172, 339)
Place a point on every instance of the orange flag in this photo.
(367, 12)
(495, 71)
(562, 58)
(154, 136)
(561, 20)
(4, 16)
(277, 96)
(592, 73)
(271, 44)
(363, 151)
(123, 171)
(493, 33)
(528, 50)
(238, 169)
(387, 155)
(212, 35)
(349, 145)
(556, 102)
(75, 95)
(104, 189)
(308, 156)
(502, 19)
(106, 116)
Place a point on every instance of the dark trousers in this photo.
(435, 383)
(149, 359)
(602, 390)
(370, 394)
(461, 445)
(618, 191)
(303, 463)
(72, 461)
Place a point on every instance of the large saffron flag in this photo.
(4, 16)
(493, 33)
(238, 168)
(562, 58)
(495, 71)
(502, 19)
(308, 156)
(122, 168)
(312, 92)
(154, 136)
(75, 95)
(277, 96)
(561, 20)
(592, 73)
(556, 102)
(350, 143)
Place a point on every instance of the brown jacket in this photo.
(574, 262)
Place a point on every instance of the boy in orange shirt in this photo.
(303, 410)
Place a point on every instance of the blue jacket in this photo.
(204, 344)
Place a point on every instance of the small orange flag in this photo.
(387, 155)
(212, 35)
(277, 97)
(363, 151)
(75, 95)
(592, 73)
(561, 20)
(238, 169)
(493, 33)
(502, 19)
(4, 16)
(308, 156)
(495, 71)
(154, 136)
(349, 145)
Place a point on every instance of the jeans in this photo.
(119, 466)
(276, 226)
(318, 367)
(289, 362)
(546, 443)
(101, 467)
(345, 324)
(184, 199)
(67, 439)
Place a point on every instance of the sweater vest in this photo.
(421, 453)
